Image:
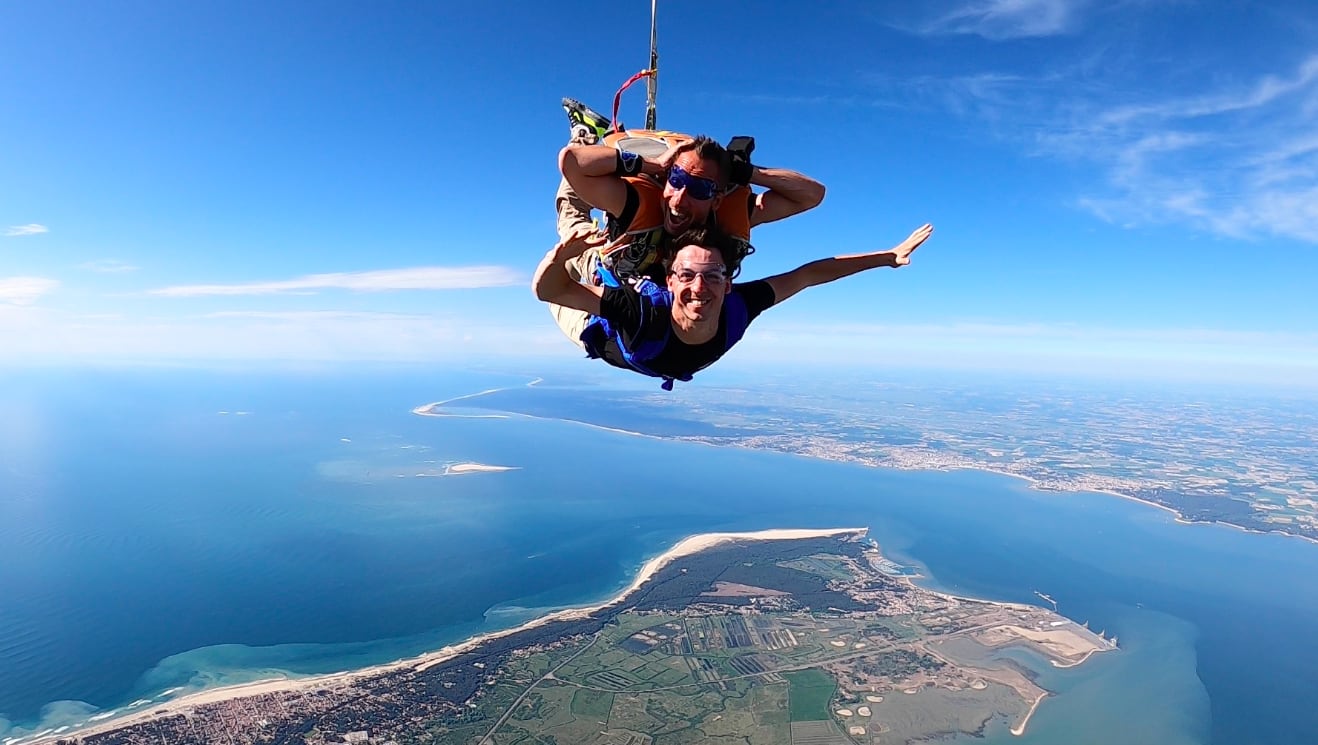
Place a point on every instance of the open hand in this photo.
(582, 238)
(902, 251)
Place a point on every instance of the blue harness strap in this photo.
(606, 276)
(736, 317)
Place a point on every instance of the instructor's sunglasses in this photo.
(696, 187)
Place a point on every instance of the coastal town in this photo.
(782, 636)
(1166, 450)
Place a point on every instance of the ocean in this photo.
(170, 530)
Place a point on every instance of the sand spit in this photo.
(1019, 729)
(432, 409)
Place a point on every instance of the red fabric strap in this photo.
(617, 97)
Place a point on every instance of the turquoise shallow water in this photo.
(158, 544)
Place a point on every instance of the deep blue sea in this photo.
(164, 531)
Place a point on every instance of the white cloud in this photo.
(384, 280)
(25, 290)
(1008, 19)
(1267, 90)
(1237, 159)
(304, 316)
(1238, 163)
(1173, 353)
(34, 333)
(15, 231)
(107, 266)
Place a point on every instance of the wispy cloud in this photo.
(303, 316)
(37, 333)
(1185, 353)
(1007, 19)
(1237, 158)
(15, 231)
(25, 290)
(34, 333)
(385, 280)
(107, 266)
(991, 333)
(1239, 162)
(1267, 90)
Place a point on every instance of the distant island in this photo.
(770, 636)
(457, 468)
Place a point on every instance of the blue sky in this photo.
(1117, 187)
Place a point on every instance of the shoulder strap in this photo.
(737, 317)
(599, 331)
(660, 303)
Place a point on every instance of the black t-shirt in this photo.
(633, 315)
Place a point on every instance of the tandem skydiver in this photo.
(673, 330)
(650, 200)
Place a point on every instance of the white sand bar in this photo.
(476, 467)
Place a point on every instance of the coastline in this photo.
(687, 546)
(431, 409)
(1082, 659)
(1033, 482)
(1180, 518)
(1019, 729)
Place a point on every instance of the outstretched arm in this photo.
(789, 193)
(827, 270)
(592, 170)
(553, 284)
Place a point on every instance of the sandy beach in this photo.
(685, 547)
(1019, 729)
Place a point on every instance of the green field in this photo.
(808, 696)
(592, 704)
(829, 567)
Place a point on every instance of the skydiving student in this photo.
(675, 330)
(650, 201)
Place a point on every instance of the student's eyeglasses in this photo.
(696, 187)
(711, 276)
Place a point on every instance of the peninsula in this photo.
(771, 636)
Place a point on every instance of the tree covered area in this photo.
(755, 563)
(1200, 508)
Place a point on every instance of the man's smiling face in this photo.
(698, 281)
(687, 197)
